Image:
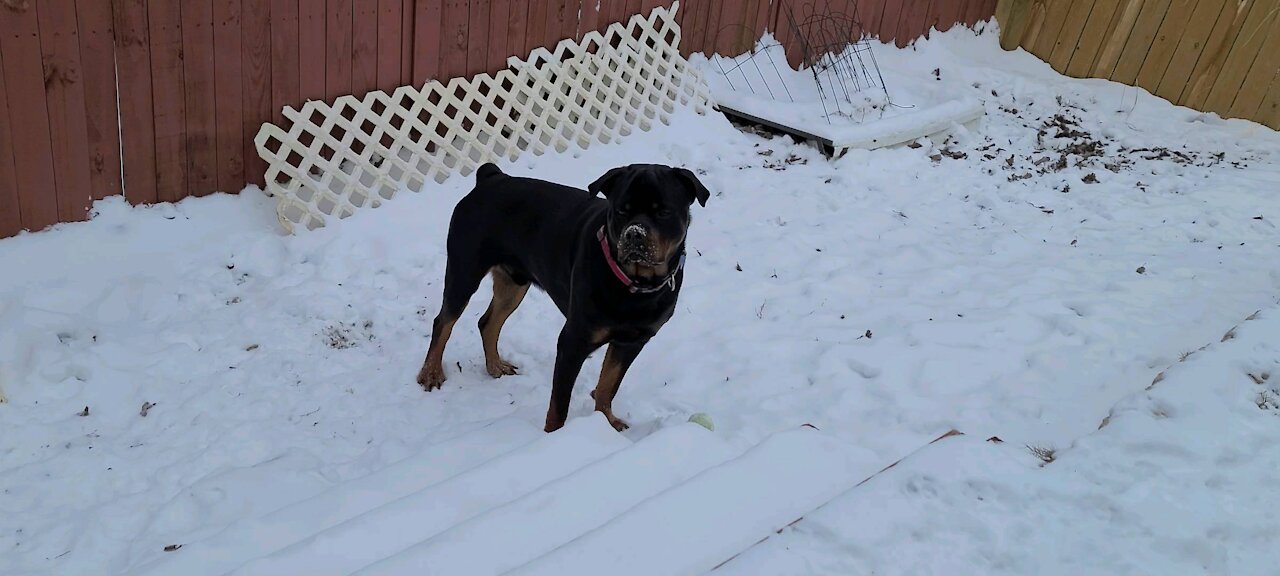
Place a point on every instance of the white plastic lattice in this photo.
(335, 159)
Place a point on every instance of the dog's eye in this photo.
(625, 208)
(664, 213)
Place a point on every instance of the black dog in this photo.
(612, 266)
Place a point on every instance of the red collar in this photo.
(669, 281)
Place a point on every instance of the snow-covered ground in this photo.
(848, 99)
(1023, 281)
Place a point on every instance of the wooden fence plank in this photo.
(711, 27)
(752, 27)
(726, 31)
(704, 16)
(974, 13)
(691, 33)
(1139, 44)
(285, 80)
(911, 23)
(1003, 13)
(1116, 38)
(10, 207)
(1259, 77)
(200, 86)
(499, 35)
(1017, 18)
(1041, 38)
(737, 26)
(517, 23)
(763, 10)
(725, 16)
(557, 21)
(933, 16)
(986, 10)
(633, 7)
(870, 13)
(256, 87)
(616, 9)
(98, 62)
(137, 122)
(1165, 43)
(535, 25)
(684, 18)
(1094, 33)
(228, 73)
(1190, 45)
(365, 46)
(1269, 112)
(428, 28)
(311, 49)
(1216, 49)
(168, 100)
(949, 13)
(567, 16)
(453, 40)
(588, 21)
(28, 117)
(1069, 35)
(338, 45)
(748, 32)
(389, 40)
(744, 27)
(408, 40)
(477, 44)
(551, 24)
(1243, 52)
(893, 10)
(64, 97)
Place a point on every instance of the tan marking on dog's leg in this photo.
(432, 374)
(553, 422)
(507, 296)
(611, 374)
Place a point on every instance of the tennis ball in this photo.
(703, 420)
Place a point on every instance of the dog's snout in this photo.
(635, 232)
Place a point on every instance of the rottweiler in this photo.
(612, 265)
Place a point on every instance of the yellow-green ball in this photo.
(703, 420)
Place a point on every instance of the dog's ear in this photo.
(696, 190)
(609, 182)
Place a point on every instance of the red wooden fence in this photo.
(161, 99)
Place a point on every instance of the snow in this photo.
(614, 485)
(1024, 280)
(1180, 480)
(716, 514)
(880, 107)
(253, 537)
(397, 525)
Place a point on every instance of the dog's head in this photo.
(648, 214)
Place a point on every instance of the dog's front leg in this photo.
(616, 361)
(572, 350)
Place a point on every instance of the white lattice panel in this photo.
(334, 159)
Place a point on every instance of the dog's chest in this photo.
(636, 324)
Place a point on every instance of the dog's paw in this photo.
(501, 368)
(617, 423)
(431, 378)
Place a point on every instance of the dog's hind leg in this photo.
(459, 284)
(507, 295)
